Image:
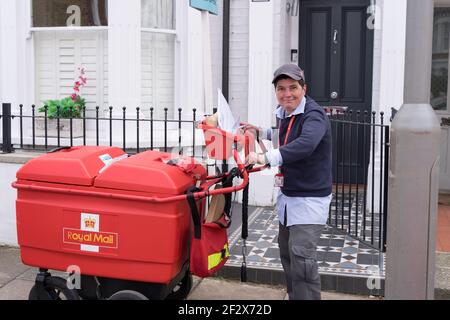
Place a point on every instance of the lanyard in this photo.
(287, 137)
(288, 132)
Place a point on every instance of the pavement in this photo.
(16, 280)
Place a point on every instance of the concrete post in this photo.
(413, 175)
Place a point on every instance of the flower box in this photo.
(64, 128)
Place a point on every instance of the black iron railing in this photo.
(65, 130)
(360, 174)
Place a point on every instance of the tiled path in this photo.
(337, 252)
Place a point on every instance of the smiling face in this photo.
(289, 94)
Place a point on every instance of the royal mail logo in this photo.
(90, 223)
(98, 239)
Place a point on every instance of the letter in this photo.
(244, 309)
(374, 282)
(374, 20)
(74, 20)
(267, 309)
(109, 239)
(74, 278)
(208, 311)
(98, 238)
(181, 310)
(87, 238)
(191, 310)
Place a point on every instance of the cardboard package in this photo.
(216, 207)
(212, 120)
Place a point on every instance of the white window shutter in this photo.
(158, 73)
(58, 56)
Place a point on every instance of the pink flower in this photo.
(78, 84)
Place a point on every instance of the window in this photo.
(60, 50)
(158, 14)
(59, 54)
(440, 61)
(158, 56)
(63, 13)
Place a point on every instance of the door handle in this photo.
(334, 95)
(335, 36)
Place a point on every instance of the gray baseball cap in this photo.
(291, 70)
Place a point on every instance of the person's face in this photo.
(289, 94)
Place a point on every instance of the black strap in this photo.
(226, 183)
(245, 213)
(194, 211)
(244, 234)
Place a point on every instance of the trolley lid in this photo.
(74, 166)
(152, 172)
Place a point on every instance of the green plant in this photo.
(67, 107)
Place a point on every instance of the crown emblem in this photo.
(89, 223)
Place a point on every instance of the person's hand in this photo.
(249, 127)
(256, 158)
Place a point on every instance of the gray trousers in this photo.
(298, 244)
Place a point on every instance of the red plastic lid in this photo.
(74, 166)
(152, 172)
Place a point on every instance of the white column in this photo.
(16, 53)
(388, 77)
(124, 53)
(260, 89)
(181, 65)
(189, 76)
(207, 66)
(392, 64)
(194, 76)
(9, 59)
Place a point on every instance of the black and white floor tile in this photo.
(337, 252)
(361, 225)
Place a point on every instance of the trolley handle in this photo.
(206, 193)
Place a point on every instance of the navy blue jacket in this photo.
(307, 156)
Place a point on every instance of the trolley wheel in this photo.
(55, 289)
(128, 295)
(89, 288)
(182, 289)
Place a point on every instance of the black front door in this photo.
(336, 52)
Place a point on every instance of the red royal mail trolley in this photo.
(122, 221)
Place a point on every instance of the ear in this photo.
(305, 87)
